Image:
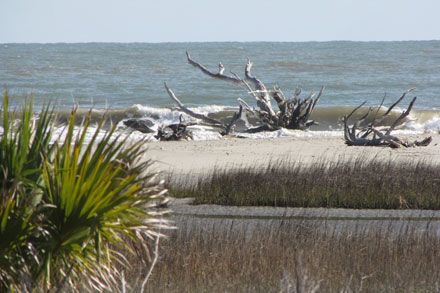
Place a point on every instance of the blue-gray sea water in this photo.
(128, 78)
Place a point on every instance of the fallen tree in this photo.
(292, 113)
(372, 134)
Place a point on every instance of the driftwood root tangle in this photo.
(292, 113)
(371, 134)
(174, 132)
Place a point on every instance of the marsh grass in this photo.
(296, 256)
(358, 183)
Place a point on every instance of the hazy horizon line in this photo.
(186, 42)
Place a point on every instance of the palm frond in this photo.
(67, 207)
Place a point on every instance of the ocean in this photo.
(126, 79)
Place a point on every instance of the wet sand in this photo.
(247, 220)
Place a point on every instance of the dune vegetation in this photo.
(71, 210)
(358, 183)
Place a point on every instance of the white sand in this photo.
(199, 157)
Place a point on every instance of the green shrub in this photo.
(68, 207)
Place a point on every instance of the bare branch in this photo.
(260, 92)
(392, 106)
(318, 97)
(264, 98)
(179, 131)
(402, 116)
(241, 101)
(354, 137)
(250, 90)
(295, 98)
(153, 264)
(234, 119)
(218, 75)
(393, 141)
(399, 100)
(354, 110)
(191, 113)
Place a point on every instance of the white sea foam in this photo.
(202, 133)
(206, 109)
(283, 132)
(432, 125)
(165, 116)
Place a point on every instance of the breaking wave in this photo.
(329, 118)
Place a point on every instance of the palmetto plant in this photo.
(21, 149)
(22, 145)
(73, 204)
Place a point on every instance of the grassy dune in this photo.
(357, 183)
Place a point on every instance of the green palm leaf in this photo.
(21, 149)
(66, 206)
(100, 198)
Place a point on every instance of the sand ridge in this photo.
(200, 157)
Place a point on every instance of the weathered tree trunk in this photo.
(371, 135)
(292, 113)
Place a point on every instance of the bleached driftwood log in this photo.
(371, 134)
(179, 130)
(184, 109)
(292, 113)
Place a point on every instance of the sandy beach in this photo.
(199, 157)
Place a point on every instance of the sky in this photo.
(51, 21)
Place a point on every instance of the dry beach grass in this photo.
(296, 256)
(358, 183)
(216, 254)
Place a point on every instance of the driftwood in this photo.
(225, 129)
(179, 131)
(292, 113)
(371, 134)
(176, 131)
(182, 107)
(140, 125)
